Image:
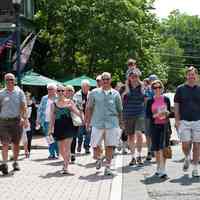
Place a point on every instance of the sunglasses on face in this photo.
(10, 79)
(60, 90)
(157, 87)
(106, 79)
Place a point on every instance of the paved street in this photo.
(39, 178)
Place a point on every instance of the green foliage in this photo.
(92, 36)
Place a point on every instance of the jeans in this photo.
(53, 148)
(87, 135)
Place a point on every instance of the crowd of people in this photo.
(97, 119)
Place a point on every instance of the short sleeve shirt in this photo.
(10, 102)
(188, 99)
(106, 108)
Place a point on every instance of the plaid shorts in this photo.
(10, 131)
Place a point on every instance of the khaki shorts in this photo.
(10, 131)
(189, 131)
(110, 136)
(134, 124)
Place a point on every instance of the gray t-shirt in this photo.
(10, 102)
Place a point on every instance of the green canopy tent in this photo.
(35, 79)
(77, 81)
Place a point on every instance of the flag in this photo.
(25, 54)
(27, 39)
(8, 42)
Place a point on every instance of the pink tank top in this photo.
(158, 107)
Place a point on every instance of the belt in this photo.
(9, 119)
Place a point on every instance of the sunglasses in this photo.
(158, 87)
(10, 79)
(60, 90)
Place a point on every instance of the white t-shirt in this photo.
(107, 91)
(48, 110)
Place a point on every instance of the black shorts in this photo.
(159, 137)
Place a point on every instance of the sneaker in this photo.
(4, 168)
(157, 174)
(124, 152)
(108, 172)
(73, 158)
(98, 164)
(186, 165)
(133, 162)
(149, 156)
(163, 176)
(16, 166)
(51, 157)
(139, 160)
(195, 173)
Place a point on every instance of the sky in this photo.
(164, 7)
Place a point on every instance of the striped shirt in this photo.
(133, 103)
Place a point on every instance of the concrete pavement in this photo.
(39, 178)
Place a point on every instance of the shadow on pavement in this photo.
(127, 169)
(10, 174)
(56, 174)
(58, 163)
(40, 159)
(153, 180)
(185, 180)
(95, 177)
(88, 165)
(178, 161)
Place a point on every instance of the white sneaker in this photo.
(195, 173)
(186, 164)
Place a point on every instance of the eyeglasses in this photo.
(60, 90)
(158, 87)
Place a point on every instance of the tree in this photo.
(185, 29)
(172, 56)
(91, 36)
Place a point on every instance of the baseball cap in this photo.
(153, 77)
